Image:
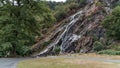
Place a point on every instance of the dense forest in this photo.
(24, 22)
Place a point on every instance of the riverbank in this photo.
(73, 61)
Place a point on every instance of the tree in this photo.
(20, 23)
(64, 9)
(112, 24)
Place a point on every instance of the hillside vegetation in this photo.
(23, 22)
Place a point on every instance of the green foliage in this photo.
(112, 24)
(5, 49)
(115, 46)
(53, 4)
(22, 50)
(57, 49)
(109, 52)
(46, 43)
(20, 23)
(61, 12)
(116, 4)
(81, 2)
(113, 49)
(98, 46)
(99, 4)
(62, 9)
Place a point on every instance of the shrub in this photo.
(73, 6)
(22, 50)
(100, 4)
(5, 49)
(62, 9)
(115, 47)
(109, 52)
(97, 46)
(47, 43)
(82, 2)
(60, 15)
(112, 24)
(57, 49)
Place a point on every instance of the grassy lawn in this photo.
(93, 55)
(64, 62)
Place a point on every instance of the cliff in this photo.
(77, 33)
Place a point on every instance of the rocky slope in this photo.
(78, 32)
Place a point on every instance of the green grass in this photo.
(66, 63)
(46, 63)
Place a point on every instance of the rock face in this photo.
(80, 30)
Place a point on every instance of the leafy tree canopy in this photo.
(112, 24)
(20, 22)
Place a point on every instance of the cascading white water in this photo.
(73, 19)
(72, 34)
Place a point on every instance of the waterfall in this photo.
(72, 35)
(64, 35)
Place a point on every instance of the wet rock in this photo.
(82, 29)
(84, 44)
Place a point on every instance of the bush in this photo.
(62, 9)
(5, 49)
(60, 15)
(100, 4)
(112, 24)
(109, 52)
(73, 6)
(57, 49)
(22, 50)
(97, 46)
(82, 2)
(115, 47)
